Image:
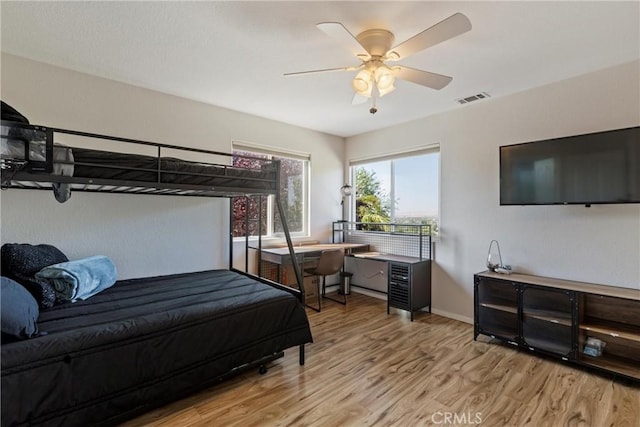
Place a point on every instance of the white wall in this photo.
(600, 244)
(147, 235)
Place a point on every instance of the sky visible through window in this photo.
(416, 181)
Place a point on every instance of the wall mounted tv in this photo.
(594, 168)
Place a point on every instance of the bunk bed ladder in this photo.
(287, 235)
(294, 261)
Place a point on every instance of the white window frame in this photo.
(354, 163)
(271, 204)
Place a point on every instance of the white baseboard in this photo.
(369, 293)
(453, 316)
(439, 312)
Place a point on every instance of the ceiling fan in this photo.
(374, 48)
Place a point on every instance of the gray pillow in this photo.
(18, 310)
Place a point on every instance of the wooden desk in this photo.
(378, 256)
(409, 281)
(282, 256)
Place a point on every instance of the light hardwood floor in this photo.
(366, 368)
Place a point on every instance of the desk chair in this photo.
(330, 262)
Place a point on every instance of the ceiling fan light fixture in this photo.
(362, 84)
(389, 89)
(384, 77)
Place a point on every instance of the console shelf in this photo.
(562, 318)
(549, 316)
(619, 331)
(626, 367)
(499, 307)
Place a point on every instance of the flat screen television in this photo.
(595, 168)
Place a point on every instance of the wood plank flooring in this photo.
(369, 369)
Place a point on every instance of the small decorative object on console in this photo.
(498, 266)
(594, 347)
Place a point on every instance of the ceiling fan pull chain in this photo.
(373, 108)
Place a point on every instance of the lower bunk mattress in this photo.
(144, 342)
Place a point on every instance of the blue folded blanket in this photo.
(80, 279)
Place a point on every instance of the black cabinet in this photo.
(409, 284)
(496, 313)
(547, 320)
(585, 323)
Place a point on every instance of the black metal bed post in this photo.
(260, 236)
(230, 233)
(246, 234)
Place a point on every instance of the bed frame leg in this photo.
(301, 354)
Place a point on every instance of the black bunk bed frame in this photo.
(26, 173)
(38, 175)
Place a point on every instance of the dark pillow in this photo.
(18, 311)
(11, 114)
(21, 262)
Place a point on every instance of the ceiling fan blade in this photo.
(338, 32)
(423, 78)
(325, 70)
(450, 27)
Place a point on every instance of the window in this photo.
(294, 178)
(402, 189)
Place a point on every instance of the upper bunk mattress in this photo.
(91, 163)
(21, 142)
(140, 338)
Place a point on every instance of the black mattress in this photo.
(255, 173)
(132, 167)
(141, 343)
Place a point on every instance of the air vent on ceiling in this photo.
(468, 99)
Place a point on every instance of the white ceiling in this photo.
(234, 54)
